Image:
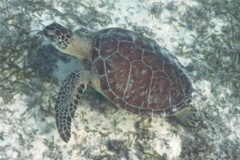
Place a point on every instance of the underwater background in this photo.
(203, 35)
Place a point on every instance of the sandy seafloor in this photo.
(203, 35)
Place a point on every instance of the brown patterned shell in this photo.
(138, 75)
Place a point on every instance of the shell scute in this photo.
(121, 36)
(130, 51)
(110, 94)
(117, 82)
(104, 83)
(132, 109)
(146, 111)
(144, 43)
(150, 58)
(159, 88)
(99, 63)
(171, 71)
(108, 45)
(120, 102)
(175, 90)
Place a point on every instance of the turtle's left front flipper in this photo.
(70, 93)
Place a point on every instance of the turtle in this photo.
(127, 68)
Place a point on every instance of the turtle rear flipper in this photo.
(188, 117)
(70, 93)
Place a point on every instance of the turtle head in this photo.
(67, 41)
(58, 35)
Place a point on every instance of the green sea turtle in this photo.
(132, 71)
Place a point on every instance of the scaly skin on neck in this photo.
(79, 47)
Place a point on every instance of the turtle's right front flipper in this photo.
(72, 89)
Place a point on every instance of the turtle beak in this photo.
(49, 32)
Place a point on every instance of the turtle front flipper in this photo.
(72, 89)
